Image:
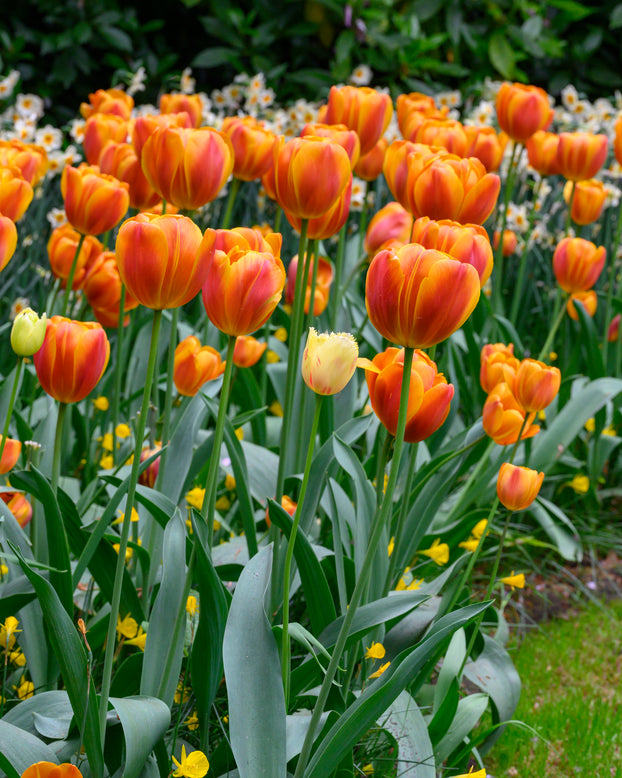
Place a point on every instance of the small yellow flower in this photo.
(178, 693)
(415, 584)
(479, 529)
(368, 769)
(541, 416)
(4, 570)
(552, 356)
(192, 605)
(106, 462)
(17, 657)
(7, 632)
(216, 525)
(580, 483)
(25, 689)
(391, 546)
(195, 765)
(470, 545)
(514, 581)
(139, 641)
(375, 651)
(272, 357)
(610, 430)
(590, 424)
(223, 503)
(229, 482)
(380, 670)
(471, 774)
(127, 627)
(122, 516)
(195, 497)
(239, 433)
(276, 409)
(129, 552)
(101, 403)
(107, 441)
(122, 431)
(438, 552)
(192, 722)
(281, 334)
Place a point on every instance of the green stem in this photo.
(497, 287)
(559, 311)
(613, 271)
(363, 222)
(401, 520)
(5, 429)
(379, 525)
(313, 253)
(233, 191)
(125, 527)
(71, 275)
(336, 297)
(58, 445)
(116, 400)
(522, 267)
(168, 399)
(383, 458)
(568, 217)
(209, 500)
(285, 650)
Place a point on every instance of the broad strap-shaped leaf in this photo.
(163, 648)
(71, 656)
(253, 675)
(20, 749)
(144, 721)
(404, 721)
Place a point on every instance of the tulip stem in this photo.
(285, 648)
(116, 399)
(378, 527)
(313, 254)
(58, 444)
(363, 221)
(341, 246)
(522, 266)
(560, 310)
(612, 277)
(71, 275)
(209, 500)
(125, 527)
(233, 191)
(7, 420)
(497, 287)
(568, 214)
(294, 351)
(168, 399)
(401, 520)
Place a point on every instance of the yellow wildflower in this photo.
(438, 552)
(368, 769)
(281, 334)
(470, 545)
(4, 570)
(415, 584)
(239, 433)
(195, 497)
(7, 632)
(192, 605)
(101, 403)
(122, 516)
(541, 416)
(552, 356)
(272, 357)
(216, 525)
(391, 546)
(380, 670)
(276, 409)
(514, 581)
(192, 722)
(127, 627)
(195, 765)
(610, 430)
(139, 641)
(580, 483)
(375, 651)
(106, 462)
(129, 552)
(122, 431)
(178, 693)
(25, 689)
(17, 657)
(479, 529)
(107, 441)
(229, 482)
(223, 503)
(590, 424)
(471, 774)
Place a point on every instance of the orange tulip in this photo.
(518, 487)
(577, 264)
(487, 145)
(310, 174)
(522, 110)
(362, 109)
(100, 129)
(536, 385)
(617, 140)
(242, 287)
(195, 365)
(10, 455)
(580, 155)
(588, 298)
(15, 193)
(613, 330)
(121, 161)
(102, 288)
(247, 351)
(159, 259)
(389, 227)
(246, 238)
(338, 133)
(180, 103)
(329, 223)
(62, 247)
(149, 476)
(143, 126)
(329, 361)
(429, 397)
(417, 297)
(19, 506)
(542, 152)
(396, 168)
(467, 243)
(94, 202)
(72, 359)
(187, 167)
(503, 417)
(252, 146)
(322, 286)
(31, 160)
(588, 200)
(369, 166)
(510, 242)
(113, 101)
(8, 240)
(287, 504)
(498, 365)
(415, 108)
(447, 133)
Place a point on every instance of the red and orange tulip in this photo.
(62, 247)
(159, 259)
(176, 102)
(114, 101)
(417, 297)
(522, 110)
(536, 385)
(100, 129)
(577, 264)
(497, 365)
(487, 145)
(72, 359)
(518, 487)
(429, 397)
(94, 202)
(362, 109)
(31, 160)
(588, 200)
(580, 155)
(15, 193)
(19, 506)
(121, 161)
(149, 475)
(102, 289)
(187, 168)
(247, 351)
(510, 242)
(389, 227)
(252, 145)
(8, 240)
(322, 286)
(542, 152)
(445, 133)
(503, 417)
(143, 126)
(195, 365)
(10, 455)
(329, 223)
(246, 238)
(588, 298)
(339, 134)
(369, 166)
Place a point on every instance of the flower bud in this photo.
(10, 455)
(329, 361)
(536, 385)
(589, 300)
(8, 240)
(28, 333)
(518, 487)
(503, 417)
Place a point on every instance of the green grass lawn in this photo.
(572, 697)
